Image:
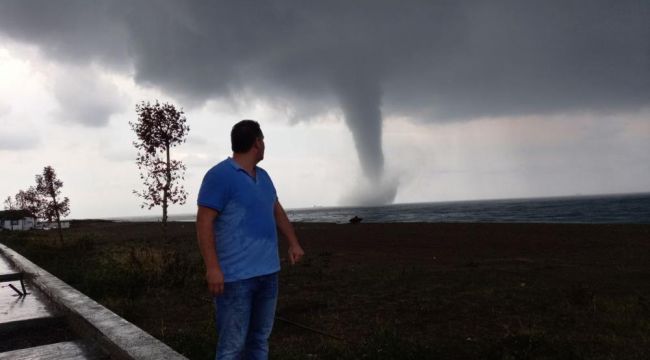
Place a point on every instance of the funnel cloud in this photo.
(430, 61)
(360, 100)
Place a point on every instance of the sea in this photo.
(595, 209)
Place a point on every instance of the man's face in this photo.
(259, 144)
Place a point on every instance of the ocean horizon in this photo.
(633, 208)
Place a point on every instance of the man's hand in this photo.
(295, 253)
(205, 234)
(214, 277)
(295, 250)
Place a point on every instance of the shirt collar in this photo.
(236, 166)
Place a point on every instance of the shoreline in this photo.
(82, 221)
(586, 209)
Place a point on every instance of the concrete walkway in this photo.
(16, 309)
(70, 350)
(97, 332)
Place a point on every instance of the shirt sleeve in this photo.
(214, 192)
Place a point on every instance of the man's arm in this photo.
(205, 236)
(282, 221)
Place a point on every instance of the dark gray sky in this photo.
(428, 61)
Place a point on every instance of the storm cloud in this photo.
(17, 141)
(85, 98)
(428, 61)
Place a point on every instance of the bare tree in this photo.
(9, 204)
(48, 187)
(159, 128)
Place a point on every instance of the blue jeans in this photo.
(244, 315)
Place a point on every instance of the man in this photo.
(236, 224)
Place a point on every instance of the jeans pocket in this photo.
(234, 290)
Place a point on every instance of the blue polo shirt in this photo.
(245, 231)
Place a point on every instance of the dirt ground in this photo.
(386, 291)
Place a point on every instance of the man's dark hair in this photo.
(244, 134)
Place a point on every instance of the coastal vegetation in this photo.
(43, 201)
(385, 291)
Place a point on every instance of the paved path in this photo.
(59, 322)
(31, 326)
(70, 350)
(14, 308)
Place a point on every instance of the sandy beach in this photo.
(389, 291)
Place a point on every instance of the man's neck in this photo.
(246, 161)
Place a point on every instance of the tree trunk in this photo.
(58, 217)
(58, 222)
(168, 181)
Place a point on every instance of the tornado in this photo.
(360, 100)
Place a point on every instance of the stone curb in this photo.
(118, 337)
